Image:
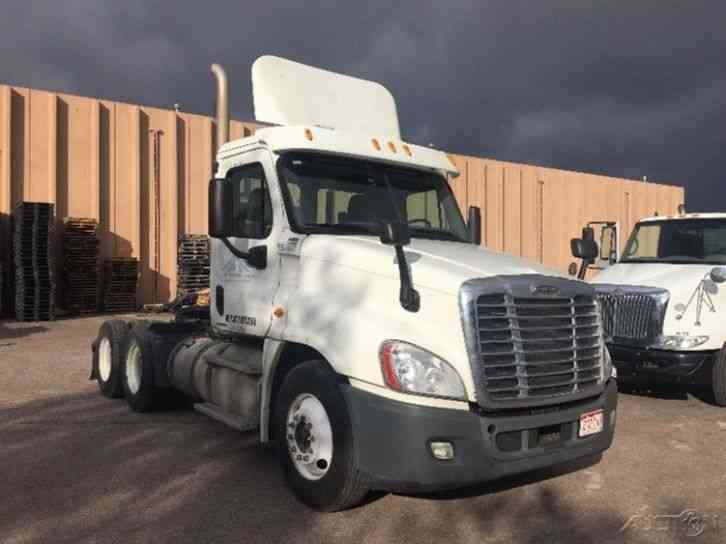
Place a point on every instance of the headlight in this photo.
(680, 341)
(410, 369)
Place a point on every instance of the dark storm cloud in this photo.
(625, 88)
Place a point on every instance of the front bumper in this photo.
(392, 440)
(663, 367)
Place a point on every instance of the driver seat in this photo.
(358, 207)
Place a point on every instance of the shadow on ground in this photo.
(82, 468)
(18, 330)
(670, 392)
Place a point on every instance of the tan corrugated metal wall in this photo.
(143, 172)
(534, 211)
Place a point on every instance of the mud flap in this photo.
(94, 363)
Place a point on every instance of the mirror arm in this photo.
(247, 256)
(409, 297)
(584, 265)
(233, 250)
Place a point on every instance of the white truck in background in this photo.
(356, 322)
(664, 301)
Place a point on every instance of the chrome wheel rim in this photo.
(104, 359)
(309, 437)
(134, 364)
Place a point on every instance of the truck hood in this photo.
(681, 281)
(666, 276)
(440, 265)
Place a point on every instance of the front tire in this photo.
(108, 357)
(315, 440)
(719, 377)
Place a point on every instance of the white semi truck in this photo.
(356, 322)
(663, 301)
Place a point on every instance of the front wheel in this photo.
(315, 440)
(719, 377)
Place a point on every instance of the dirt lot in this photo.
(77, 467)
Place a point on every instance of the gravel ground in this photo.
(77, 467)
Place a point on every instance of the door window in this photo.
(251, 207)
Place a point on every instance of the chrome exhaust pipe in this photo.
(222, 104)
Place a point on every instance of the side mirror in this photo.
(220, 208)
(718, 274)
(395, 234)
(474, 225)
(584, 249)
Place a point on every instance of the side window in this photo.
(333, 205)
(646, 243)
(252, 207)
(714, 242)
(423, 210)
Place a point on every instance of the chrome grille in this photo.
(535, 347)
(632, 314)
(532, 340)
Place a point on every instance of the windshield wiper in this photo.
(436, 234)
(359, 228)
(665, 260)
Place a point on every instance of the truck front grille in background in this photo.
(538, 347)
(629, 316)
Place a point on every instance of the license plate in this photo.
(591, 423)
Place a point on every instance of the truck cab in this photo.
(356, 322)
(663, 302)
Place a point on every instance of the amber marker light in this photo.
(278, 312)
(309, 134)
(407, 150)
(376, 144)
(391, 147)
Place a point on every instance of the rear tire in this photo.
(108, 357)
(138, 371)
(315, 440)
(719, 377)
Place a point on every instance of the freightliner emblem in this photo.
(544, 290)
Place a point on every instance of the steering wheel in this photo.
(426, 222)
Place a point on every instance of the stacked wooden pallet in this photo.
(80, 265)
(121, 277)
(32, 242)
(192, 263)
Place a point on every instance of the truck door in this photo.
(247, 292)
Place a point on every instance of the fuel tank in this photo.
(219, 372)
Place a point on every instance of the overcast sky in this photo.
(628, 88)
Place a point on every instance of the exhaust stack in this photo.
(222, 104)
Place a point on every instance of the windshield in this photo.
(344, 196)
(698, 241)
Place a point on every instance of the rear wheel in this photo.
(138, 371)
(315, 440)
(108, 357)
(719, 377)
